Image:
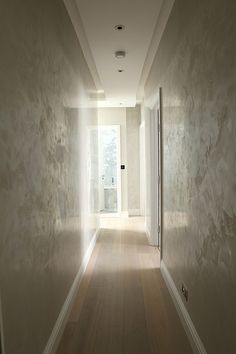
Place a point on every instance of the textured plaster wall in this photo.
(48, 168)
(133, 118)
(196, 67)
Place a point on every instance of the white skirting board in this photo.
(188, 325)
(60, 324)
(134, 212)
(2, 349)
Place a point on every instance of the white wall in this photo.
(117, 116)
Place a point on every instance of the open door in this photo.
(156, 219)
(159, 178)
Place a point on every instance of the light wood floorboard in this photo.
(123, 305)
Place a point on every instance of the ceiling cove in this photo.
(119, 40)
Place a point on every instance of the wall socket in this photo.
(184, 291)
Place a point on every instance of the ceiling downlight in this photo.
(120, 54)
(119, 27)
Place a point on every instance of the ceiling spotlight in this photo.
(120, 71)
(119, 27)
(120, 54)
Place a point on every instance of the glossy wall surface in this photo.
(196, 67)
(48, 168)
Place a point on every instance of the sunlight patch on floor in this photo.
(123, 223)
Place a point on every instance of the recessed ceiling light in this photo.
(119, 27)
(120, 54)
(120, 71)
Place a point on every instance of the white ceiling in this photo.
(99, 42)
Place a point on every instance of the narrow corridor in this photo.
(123, 305)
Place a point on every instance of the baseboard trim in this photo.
(134, 212)
(60, 324)
(2, 347)
(188, 325)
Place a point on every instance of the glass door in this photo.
(109, 169)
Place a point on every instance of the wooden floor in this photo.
(123, 305)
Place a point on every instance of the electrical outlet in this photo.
(184, 291)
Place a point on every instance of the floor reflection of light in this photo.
(136, 224)
(130, 252)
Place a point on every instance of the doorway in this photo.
(109, 170)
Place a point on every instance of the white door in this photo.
(159, 179)
(142, 169)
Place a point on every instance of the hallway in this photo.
(125, 107)
(123, 305)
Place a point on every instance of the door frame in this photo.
(142, 168)
(117, 127)
(157, 171)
